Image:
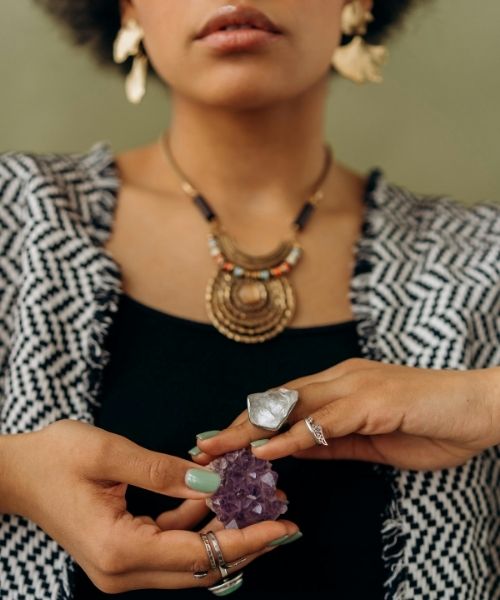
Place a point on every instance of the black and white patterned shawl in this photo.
(426, 291)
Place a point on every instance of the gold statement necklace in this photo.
(250, 298)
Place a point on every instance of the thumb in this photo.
(124, 461)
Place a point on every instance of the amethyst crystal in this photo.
(247, 493)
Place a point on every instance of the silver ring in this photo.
(200, 574)
(316, 431)
(217, 561)
(227, 586)
(270, 409)
(236, 563)
(210, 554)
(221, 562)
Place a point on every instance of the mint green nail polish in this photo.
(194, 451)
(258, 443)
(206, 435)
(279, 541)
(231, 590)
(296, 536)
(202, 481)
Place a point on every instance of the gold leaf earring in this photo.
(358, 61)
(128, 43)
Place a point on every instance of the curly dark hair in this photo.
(95, 23)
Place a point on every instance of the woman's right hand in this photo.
(70, 478)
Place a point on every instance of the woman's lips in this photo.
(239, 39)
(238, 28)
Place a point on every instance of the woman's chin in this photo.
(241, 101)
(241, 92)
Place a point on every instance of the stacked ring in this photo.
(227, 586)
(218, 562)
(208, 548)
(221, 563)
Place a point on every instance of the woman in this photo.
(115, 350)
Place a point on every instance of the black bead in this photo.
(204, 207)
(304, 215)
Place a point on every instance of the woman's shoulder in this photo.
(441, 218)
(82, 183)
(23, 167)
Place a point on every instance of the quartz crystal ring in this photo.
(316, 431)
(270, 409)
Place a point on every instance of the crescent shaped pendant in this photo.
(249, 310)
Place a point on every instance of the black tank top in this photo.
(169, 378)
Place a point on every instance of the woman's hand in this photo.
(408, 417)
(70, 478)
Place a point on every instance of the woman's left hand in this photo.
(408, 417)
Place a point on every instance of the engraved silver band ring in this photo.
(316, 431)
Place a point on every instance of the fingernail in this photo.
(279, 540)
(202, 481)
(296, 536)
(230, 590)
(194, 451)
(258, 443)
(206, 435)
(286, 539)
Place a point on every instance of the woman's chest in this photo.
(162, 249)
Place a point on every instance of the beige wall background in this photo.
(434, 125)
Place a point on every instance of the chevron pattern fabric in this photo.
(425, 289)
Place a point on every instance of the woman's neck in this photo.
(262, 160)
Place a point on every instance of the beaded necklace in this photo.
(250, 299)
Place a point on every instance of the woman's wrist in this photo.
(486, 389)
(14, 452)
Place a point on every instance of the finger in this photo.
(314, 391)
(338, 419)
(334, 372)
(147, 547)
(350, 447)
(320, 395)
(238, 435)
(204, 458)
(185, 516)
(312, 397)
(234, 438)
(119, 459)
(153, 579)
(213, 525)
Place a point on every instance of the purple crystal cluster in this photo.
(247, 493)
